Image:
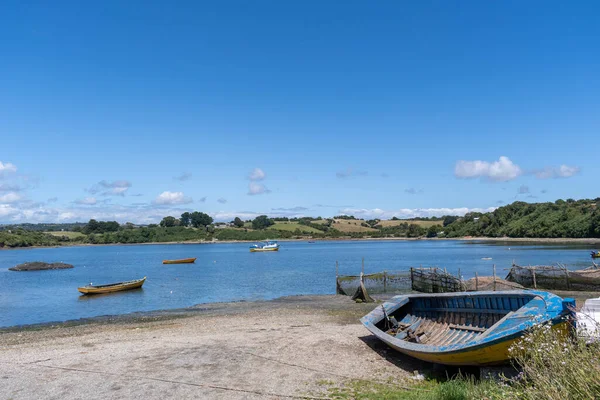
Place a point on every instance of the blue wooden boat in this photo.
(475, 328)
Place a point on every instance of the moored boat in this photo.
(182, 261)
(475, 328)
(269, 245)
(595, 254)
(112, 287)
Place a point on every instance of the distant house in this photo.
(476, 219)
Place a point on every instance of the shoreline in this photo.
(593, 241)
(166, 314)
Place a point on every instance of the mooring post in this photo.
(459, 279)
(337, 274)
(533, 276)
(384, 281)
(476, 281)
(567, 276)
(494, 277)
(363, 265)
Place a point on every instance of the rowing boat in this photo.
(182, 261)
(112, 287)
(475, 328)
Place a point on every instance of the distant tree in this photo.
(152, 226)
(414, 230)
(261, 222)
(129, 225)
(186, 219)
(200, 219)
(210, 229)
(168, 222)
(238, 223)
(395, 218)
(448, 219)
(433, 230)
(91, 227)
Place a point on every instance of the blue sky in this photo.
(376, 109)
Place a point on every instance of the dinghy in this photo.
(475, 328)
(182, 261)
(112, 287)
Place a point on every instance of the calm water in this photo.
(229, 272)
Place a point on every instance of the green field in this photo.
(423, 224)
(70, 235)
(292, 226)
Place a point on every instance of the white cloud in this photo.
(88, 201)
(564, 171)
(172, 198)
(183, 177)
(500, 171)
(257, 188)
(257, 174)
(413, 191)
(523, 189)
(105, 188)
(349, 173)
(372, 213)
(6, 168)
(10, 197)
(6, 210)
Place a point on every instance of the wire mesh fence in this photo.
(426, 280)
(555, 278)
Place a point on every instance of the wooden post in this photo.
(363, 265)
(337, 274)
(459, 280)
(412, 279)
(384, 281)
(533, 276)
(494, 277)
(567, 276)
(476, 281)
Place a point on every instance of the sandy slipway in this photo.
(284, 348)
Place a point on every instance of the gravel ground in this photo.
(286, 348)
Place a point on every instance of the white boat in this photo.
(269, 245)
(588, 320)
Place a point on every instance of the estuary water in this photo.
(229, 272)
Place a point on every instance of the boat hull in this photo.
(119, 287)
(475, 329)
(259, 250)
(182, 261)
(492, 354)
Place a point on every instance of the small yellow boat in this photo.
(112, 287)
(182, 261)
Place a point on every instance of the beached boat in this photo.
(595, 254)
(269, 245)
(112, 287)
(182, 261)
(474, 328)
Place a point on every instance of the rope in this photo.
(338, 375)
(202, 385)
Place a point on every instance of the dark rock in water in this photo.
(39, 266)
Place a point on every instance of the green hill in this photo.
(561, 219)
